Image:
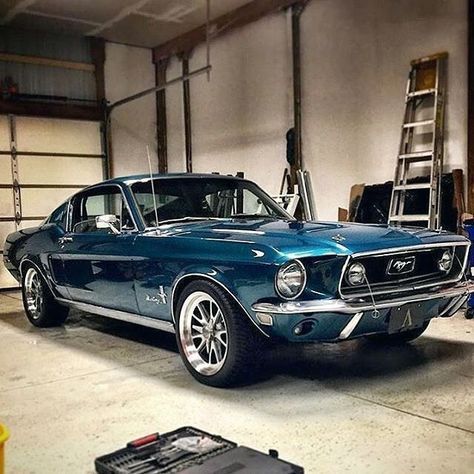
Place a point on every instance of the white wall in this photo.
(355, 60)
(387, 35)
(240, 117)
(356, 56)
(129, 70)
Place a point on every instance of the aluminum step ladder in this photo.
(421, 143)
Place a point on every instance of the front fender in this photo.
(223, 276)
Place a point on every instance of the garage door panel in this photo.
(58, 136)
(4, 134)
(5, 229)
(6, 280)
(41, 202)
(59, 170)
(42, 146)
(6, 203)
(5, 170)
(28, 224)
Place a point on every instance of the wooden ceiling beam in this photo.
(237, 18)
(42, 61)
(50, 110)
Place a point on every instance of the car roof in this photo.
(139, 177)
(128, 180)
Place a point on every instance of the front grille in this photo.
(422, 263)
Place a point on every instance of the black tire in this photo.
(244, 344)
(399, 338)
(45, 311)
(469, 313)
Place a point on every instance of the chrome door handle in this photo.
(63, 240)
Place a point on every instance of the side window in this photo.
(59, 216)
(253, 205)
(97, 202)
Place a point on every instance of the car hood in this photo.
(300, 239)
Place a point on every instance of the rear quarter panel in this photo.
(36, 245)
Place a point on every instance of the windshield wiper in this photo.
(254, 216)
(189, 219)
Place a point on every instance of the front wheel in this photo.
(400, 337)
(41, 308)
(216, 341)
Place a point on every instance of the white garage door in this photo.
(54, 158)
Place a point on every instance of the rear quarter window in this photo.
(58, 216)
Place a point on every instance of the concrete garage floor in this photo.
(71, 394)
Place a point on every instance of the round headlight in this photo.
(355, 274)
(291, 279)
(446, 261)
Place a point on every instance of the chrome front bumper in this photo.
(461, 290)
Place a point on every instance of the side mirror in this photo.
(107, 221)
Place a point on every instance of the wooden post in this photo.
(187, 115)
(470, 110)
(97, 46)
(161, 124)
(296, 11)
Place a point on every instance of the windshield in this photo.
(199, 198)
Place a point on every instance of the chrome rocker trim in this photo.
(120, 315)
(352, 307)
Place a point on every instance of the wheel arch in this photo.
(28, 262)
(184, 280)
(25, 263)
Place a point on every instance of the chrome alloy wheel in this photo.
(33, 293)
(203, 333)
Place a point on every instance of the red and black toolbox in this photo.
(189, 450)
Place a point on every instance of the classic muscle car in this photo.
(217, 261)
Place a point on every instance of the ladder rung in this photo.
(421, 92)
(417, 156)
(408, 187)
(421, 123)
(410, 218)
(426, 59)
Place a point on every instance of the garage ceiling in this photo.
(146, 23)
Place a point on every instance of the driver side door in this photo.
(98, 262)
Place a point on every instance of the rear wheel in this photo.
(218, 345)
(401, 337)
(41, 308)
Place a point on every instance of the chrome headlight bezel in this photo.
(448, 254)
(361, 272)
(279, 281)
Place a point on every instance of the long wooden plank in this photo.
(19, 58)
(241, 16)
(458, 180)
(51, 110)
(470, 111)
(161, 122)
(97, 46)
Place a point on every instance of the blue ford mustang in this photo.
(217, 261)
